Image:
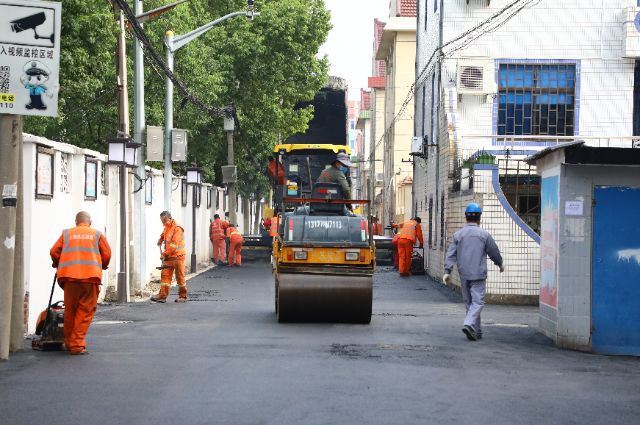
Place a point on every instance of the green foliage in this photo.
(264, 67)
(87, 111)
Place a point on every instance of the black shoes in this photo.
(156, 299)
(470, 333)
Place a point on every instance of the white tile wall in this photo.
(588, 31)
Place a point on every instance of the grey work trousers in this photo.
(473, 298)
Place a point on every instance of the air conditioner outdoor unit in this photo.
(476, 77)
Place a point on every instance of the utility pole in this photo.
(139, 259)
(123, 113)
(172, 44)
(233, 217)
(168, 122)
(11, 208)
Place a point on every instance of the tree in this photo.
(264, 67)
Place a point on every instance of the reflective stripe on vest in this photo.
(216, 230)
(408, 230)
(80, 262)
(273, 230)
(168, 242)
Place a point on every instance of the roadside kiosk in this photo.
(590, 247)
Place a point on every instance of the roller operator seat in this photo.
(327, 191)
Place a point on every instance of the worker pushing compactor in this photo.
(80, 255)
(407, 234)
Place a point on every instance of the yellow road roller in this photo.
(324, 261)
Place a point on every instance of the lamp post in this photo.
(124, 153)
(194, 179)
(172, 44)
(229, 126)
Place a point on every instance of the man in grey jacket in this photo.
(469, 249)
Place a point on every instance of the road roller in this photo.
(324, 259)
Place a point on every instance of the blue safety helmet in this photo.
(473, 212)
(473, 208)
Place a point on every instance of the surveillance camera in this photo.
(30, 23)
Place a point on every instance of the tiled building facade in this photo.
(519, 81)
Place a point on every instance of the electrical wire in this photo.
(466, 38)
(155, 56)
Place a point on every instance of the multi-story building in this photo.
(397, 47)
(497, 81)
(363, 136)
(376, 145)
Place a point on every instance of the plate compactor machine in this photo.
(324, 255)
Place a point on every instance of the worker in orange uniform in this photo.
(235, 246)
(216, 234)
(80, 255)
(172, 259)
(407, 234)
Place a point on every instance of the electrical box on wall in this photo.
(229, 174)
(178, 145)
(155, 143)
(632, 33)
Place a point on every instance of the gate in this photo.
(615, 290)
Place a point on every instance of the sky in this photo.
(350, 42)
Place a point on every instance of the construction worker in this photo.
(216, 234)
(394, 249)
(408, 232)
(337, 173)
(172, 259)
(235, 246)
(469, 249)
(80, 255)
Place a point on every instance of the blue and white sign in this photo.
(29, 57)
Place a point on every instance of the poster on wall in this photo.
(44, 174)
(548, 242)
(91, 179)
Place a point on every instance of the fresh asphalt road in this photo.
(222, 358)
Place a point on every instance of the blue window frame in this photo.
(426, 13)
(435, 6)
(433, 108)
(424, 107)
(536, 99)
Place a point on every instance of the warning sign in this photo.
(29, 57)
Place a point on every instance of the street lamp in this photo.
(124, 153)
(194, 178)
(173, 43)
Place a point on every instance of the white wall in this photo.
(46, 218)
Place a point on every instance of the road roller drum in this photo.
(324, 298)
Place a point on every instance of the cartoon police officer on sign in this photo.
(34, 75)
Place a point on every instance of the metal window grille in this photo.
(430, 222)
(65, 173)
(442, 221)
(536, 99)
(104, 178)
(520, 184)
(184, 193)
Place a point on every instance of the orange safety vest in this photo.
(275, 223)
(173, 238)
(216, 230)
(232, 231)
(80, 258)
(408, 230)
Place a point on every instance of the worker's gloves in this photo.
(446, 278)
(502, 268)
